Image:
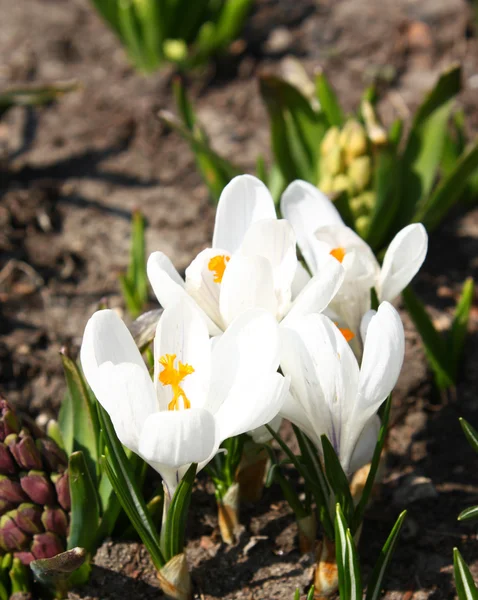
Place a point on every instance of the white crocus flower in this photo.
(252, 264)
(330, 394)
(320, 231)
(202, 392)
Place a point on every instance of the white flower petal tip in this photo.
(403, 260)
(166, 282)
(244, 200)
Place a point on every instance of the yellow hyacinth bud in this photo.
(368, 199)
(362, 225)
(358, 207)
(330, 141)
(334, 161)
(356, 144)
(341, 183)
(326, 184)
(360, 172)
(376, 133)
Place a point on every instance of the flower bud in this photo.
(28, 518)
(46, 545)
(362, 224)
(333, 162)
(7, 464)
(11, 536)
(8, 420)
(11, 491)
(55, 520)
(330, 141)
(375, 131)
(353, 140)
(357, 206)
(62, 486)
(360, 172)
(326, 184)
(25, 558)
(341, 183)
(24, 450)
(5, 506)
(52, 454)
(38, 487)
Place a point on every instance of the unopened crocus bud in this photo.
(62, 486)
(330, 141)
(11, 536)
(46, 545)
(38, 487)
(7, 464)
(29, 518)
(11, 491)
(52, 454)
(55, 520)
(24, 450)
(8, 420)
(360, 172)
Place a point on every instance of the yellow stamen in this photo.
(338, 253)
(173, 377)
(217, 265)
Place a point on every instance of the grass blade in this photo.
(465, 586)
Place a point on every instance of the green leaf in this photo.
(229, 24)
(83, 414)
(184, 106)
(329, 103)
(353, 568)
(395, 132)
(19, 577)
(459, 326)
(468, 514)
(470, 433)
(434, 345)
(288, 491)
(449, 190)
(310, 595)
(465, 586)
(122, 478)
(374, 587)
(423, 151)
(337, 479)
(134, 284)
(367, 490)
(172, 538)
(65, 422)
(350, 579)
(296, 129)
(84, 518)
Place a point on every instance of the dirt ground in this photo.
(77, 169)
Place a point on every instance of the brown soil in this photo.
(78, 168)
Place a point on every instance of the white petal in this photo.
(382, 360)
(182, 332)
(126, 392)
(365, 323)
(247, 283)
(177, 438)
(261, 435)
(320, 290)
(341, 236)
(307, 209)
(243, 201)
(203, 283)
(294, 411)
(169, 287)
(275, 240)
(251, 404)
(246, 353)
(365, 446)
(403, 259)
(301, 279)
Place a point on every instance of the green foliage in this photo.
(176, 31)
(33, 95)
(443, 350)
(85, 509)
(465, 586)
(134, 284)
(471, 434)
(222, 469)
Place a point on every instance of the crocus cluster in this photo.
(252, 333)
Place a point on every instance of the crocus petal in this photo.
(301, 279)
(243, 201)
(341, 236)
(261, 435)
(177, 438)
(365, 446)
(251, 405)
(247, 352)
(294, 411)
(275, 240)
(203, 280)
(365, 323)
(403, 259)
(307, 209)
(247, 283)
(320, 290)
(168, 285)
(182, 332)
(382, 360)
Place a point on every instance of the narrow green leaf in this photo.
(433, 343)
(173, 536)
(449, 190)
(367, 490)
(329, 103)
(337, 479)
(82, 411)
(395, 132)
(84, 519)
(19, 577)
(310, 595)
(468, 514)
(288, 491)
(471, 433)
(65, 422)
(459, 326)
(341, 553)
(230, 22)
(353, 568)
(184, 106)
(123, 481)
(374, 588)
(465, 586)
